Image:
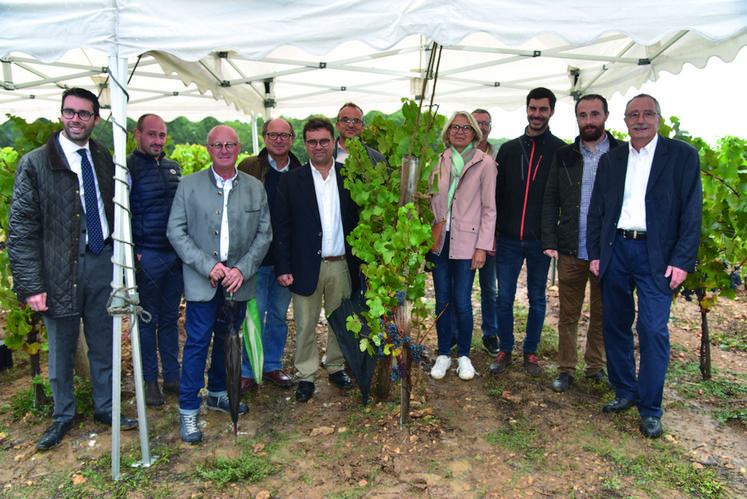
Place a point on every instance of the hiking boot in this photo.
(443, 363)
(562, 382)
(501, 362)
(491, 344)
(531, 364)
(220, 403)
(171, 387)
(153, 397)
(465, 369)
(189, 430)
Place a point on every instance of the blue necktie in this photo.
(93, 221)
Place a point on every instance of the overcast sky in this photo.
(709, 102)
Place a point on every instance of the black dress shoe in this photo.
(54, 434)
(618, 405)
(651, 427)
(125, 423)
(304, 391)
(171, 387)
(341, 379)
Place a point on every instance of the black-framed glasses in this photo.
(69, 114)
(275, 136)
(456, 128)
(348, 121)
(321, 142)
(228, 146)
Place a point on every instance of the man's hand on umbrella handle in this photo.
(217, 273)
(285, 280)
(551, 253)
(233, 280)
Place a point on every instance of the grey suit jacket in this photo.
(194, 231)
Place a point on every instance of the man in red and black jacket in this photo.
(523, 167)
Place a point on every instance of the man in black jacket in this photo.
(60, 252)
(564, 212)
(523, 166)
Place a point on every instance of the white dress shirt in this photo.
(70, 149)
(633, 214)
(328, 201)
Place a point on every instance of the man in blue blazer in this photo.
(643, 236)
(312, 216)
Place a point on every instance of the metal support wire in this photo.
(124, 300)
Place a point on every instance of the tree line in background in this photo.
(183, 131)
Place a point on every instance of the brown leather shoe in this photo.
(279, 378)
(248, 385)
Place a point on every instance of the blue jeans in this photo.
(453, 277)
(510, 255)
(629, 270)
(160, 286)
(272, 301)
(204, 322)
(489, 297)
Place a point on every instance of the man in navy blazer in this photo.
(313, 215)
(643, 235)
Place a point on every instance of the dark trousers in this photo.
(628, 271)
(94, 288)
(160, 286)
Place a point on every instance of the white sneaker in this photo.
(443, 363)
(465, 369)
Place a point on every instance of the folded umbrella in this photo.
(253, 339)
(361, 363)
(232, 353)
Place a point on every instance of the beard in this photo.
(591, 133)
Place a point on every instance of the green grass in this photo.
(247, 468)
(726, 391)
(665, 465)
(521, 437)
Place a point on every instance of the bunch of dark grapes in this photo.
(687, 294)
(400, 296)
(398, 372)
(736, 280)
(416, 351)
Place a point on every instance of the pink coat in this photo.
(473, 207)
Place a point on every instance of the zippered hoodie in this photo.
(523, 167)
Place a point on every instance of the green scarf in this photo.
(457, 165)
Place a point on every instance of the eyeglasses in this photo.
(321, 142)
(456, 128)
(355, 121)
(484, 123)
(69, 114)
(220, 145)
(647, 115)
(275, 136)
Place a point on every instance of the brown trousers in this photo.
(573, 274)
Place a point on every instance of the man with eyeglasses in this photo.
(220, 228)
(313, 215)
(488, 276)
(523, 166)
(153, 182)
(60, 252)
(564, 234)
(350, 126)
(644, 232)
(274, 160)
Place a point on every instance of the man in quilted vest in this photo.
(153, 183)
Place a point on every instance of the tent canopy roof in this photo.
(296, 58)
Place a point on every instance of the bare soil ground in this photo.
(505, 436)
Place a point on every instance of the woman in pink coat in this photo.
(464, 201)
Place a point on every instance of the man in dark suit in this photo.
(643, 236)
(312, 216)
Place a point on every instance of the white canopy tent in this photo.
(298, 58)
(295, 57)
